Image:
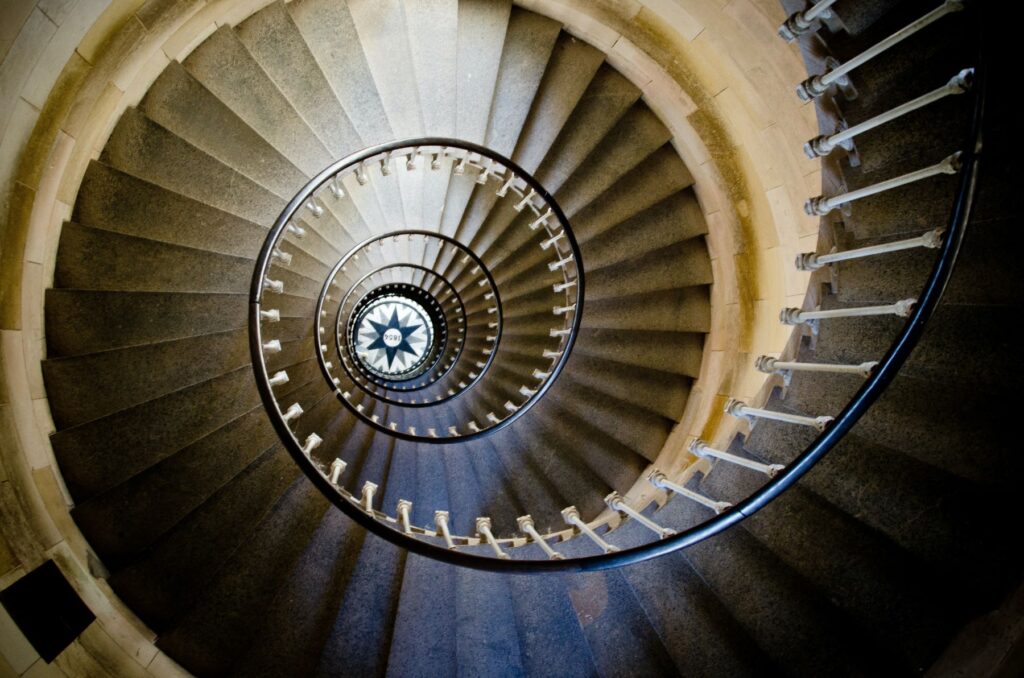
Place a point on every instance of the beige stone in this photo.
(13, 645)
(43, 670)
(59, 50)
(13, 14)
(15, 141)
(21, 59)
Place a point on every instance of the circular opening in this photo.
(395, 331)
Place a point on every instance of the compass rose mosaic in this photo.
(394, 335)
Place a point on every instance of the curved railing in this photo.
(438, 542)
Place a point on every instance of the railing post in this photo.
(615, 502)
(572, 517)
(820, 205)
(483, 527)
(795, 316)
(825, 144)
(441, 521)
(817, 85)
(702, 449)
(811, 261)
(799, 23)
(740, 409)
(661, 481)
(526, 525)
(402, 510)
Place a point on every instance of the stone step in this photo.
(331, 37)
(274, 41)
(96, 455)
(294, 629)
(88, 387)
(178, 102)
(794, 626)
(635, 136)
(673, 352)
(570, 69)
(152, 502)
(212, 634)
(425, 628)
(113, 200)
(361, 635)
(225, 67)
(882, 587)
(169, 577)
(606, 100)
(89, 321)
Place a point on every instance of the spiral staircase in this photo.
(369, 321)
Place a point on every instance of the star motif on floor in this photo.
(393, 342)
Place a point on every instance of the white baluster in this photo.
(518, 207)
(552, 240)
(541, 220)
(817, 85)
(312, 442)
(272, 346)
(283, 258)
(483, 526)
(272, 315)
(403, 509)
(441, 521)
(572, 517)
(702, 449)
(366, 498)
(810, 261)
(802, 22)
(796, 316)
(314, 208)
(820, 205)
(336, 189)
(616, 503)
(561, 287)
(561, 263)
(296, 230)
(337, 468)
(823, 145)
(769, 365)
(279, 379)
(738, 408)
(526, 525)
(661, 481)
(276, 286)
(292, 412)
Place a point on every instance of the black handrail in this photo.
(886, 371)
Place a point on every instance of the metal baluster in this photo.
(817, 85)
(769, 365)
(796, 316)
(738, 408)
(661, 481)
(810, 261)
(441, 521)
(616, 503)
(526, 525)
(702, 449)
(799, 23)
(823, 145)
(572, 517)
(820, 205)
(483, 526)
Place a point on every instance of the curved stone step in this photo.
(225, 67)
(212, 633)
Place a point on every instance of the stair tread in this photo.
(274, 41)
(225, 67)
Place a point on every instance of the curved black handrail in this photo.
(307, 192)
(483, 371)
(886, 371)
